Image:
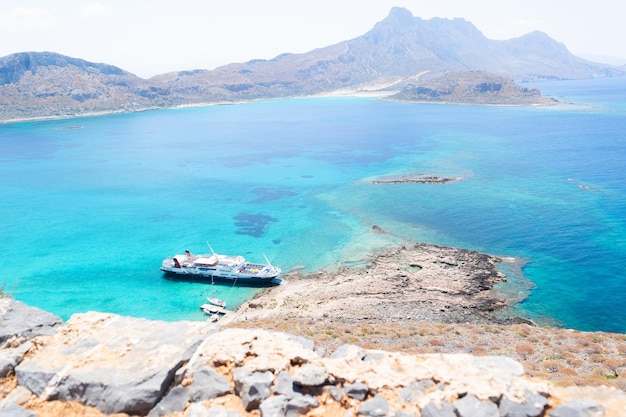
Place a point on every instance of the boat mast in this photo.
(212, 251)
(268, 261)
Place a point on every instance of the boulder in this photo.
(357, 390)
(470, 406)
(208, 384)
(259, 350)
(579, 408)
(274, 406)
(14, 410)
(252, 387)
(9, 358)
(113, 363)
(444, 410)
(284, 385)
(375, 407)
(176, 400)
(19, 319)
(532, 405)
(300, 405)
(310, 375)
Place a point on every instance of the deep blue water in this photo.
(90, 206)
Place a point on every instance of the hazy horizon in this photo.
(150, 38)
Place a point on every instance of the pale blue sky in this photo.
(149, 37)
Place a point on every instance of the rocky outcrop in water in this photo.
(104, 364)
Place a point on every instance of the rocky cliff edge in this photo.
(103, 364)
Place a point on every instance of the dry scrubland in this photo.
(565, 357)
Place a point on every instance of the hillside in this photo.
(99, 364)
(391, 54)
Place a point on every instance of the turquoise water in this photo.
(90, 206)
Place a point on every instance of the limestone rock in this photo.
(357, 390)
(14, 410)
(218, 411)
(532, 405)
(578, 408)
(252, 387)
(300, 405)
(259, 350)
(376, 407)
(274, 406)
(116, 364)
(125, 365)
(412, 393)
(208, 384)
(19, 319)
(310, 375)
(175, 400)
(284, 385)
(470, 406)
(443, 410)
(9, 358)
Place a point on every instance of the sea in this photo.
(90, 206)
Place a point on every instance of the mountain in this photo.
(389, 56)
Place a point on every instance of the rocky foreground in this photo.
(103, 364)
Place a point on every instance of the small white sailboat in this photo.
(216, 302)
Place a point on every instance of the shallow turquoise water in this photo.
(90, 206)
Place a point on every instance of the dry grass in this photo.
(565, 357)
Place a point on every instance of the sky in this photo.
(150, 37)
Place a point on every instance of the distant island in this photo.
(471, 87)
(411, 59)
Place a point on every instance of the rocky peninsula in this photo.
(411, 283)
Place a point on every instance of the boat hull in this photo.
(188, 274)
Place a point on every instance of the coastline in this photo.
(356, 93)
(415, 283)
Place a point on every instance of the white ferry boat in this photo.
(216, 267)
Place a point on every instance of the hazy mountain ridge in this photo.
(394, 51)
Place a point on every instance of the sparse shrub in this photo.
(614, 365)
(597, 358)
(568, 371)
(524, 350)
(593, 348)
(552, 366)
(480, 351)
(566, 382)
(436, 342)
(575, 362)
